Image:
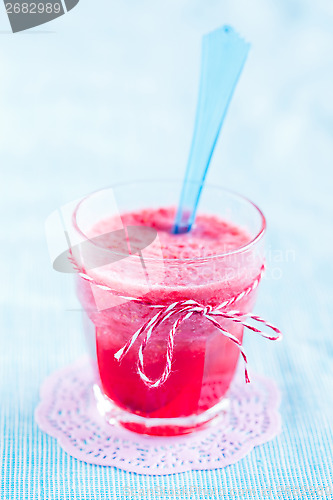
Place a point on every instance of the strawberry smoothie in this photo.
(204, 265)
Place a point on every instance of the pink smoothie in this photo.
(204, 360)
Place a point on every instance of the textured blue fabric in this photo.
(74, 118)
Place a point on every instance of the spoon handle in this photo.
(224, 53)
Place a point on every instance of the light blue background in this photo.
(107, 93)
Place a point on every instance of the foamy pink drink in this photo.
(213, 263)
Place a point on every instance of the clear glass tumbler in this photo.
(121, 290)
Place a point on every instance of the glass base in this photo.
(159, 426)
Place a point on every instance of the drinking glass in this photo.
(123, 282)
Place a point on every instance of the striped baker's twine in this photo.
(185, 309)
(106, 288)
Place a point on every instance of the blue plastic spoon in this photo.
(224, 53)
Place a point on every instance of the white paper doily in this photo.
(67, 411)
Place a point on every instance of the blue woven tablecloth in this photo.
(85, 106)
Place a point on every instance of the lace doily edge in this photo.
(275, 430)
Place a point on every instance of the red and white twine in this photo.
(184, 309)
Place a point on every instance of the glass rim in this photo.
(243, 248)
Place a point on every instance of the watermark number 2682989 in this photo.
(25, 14)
